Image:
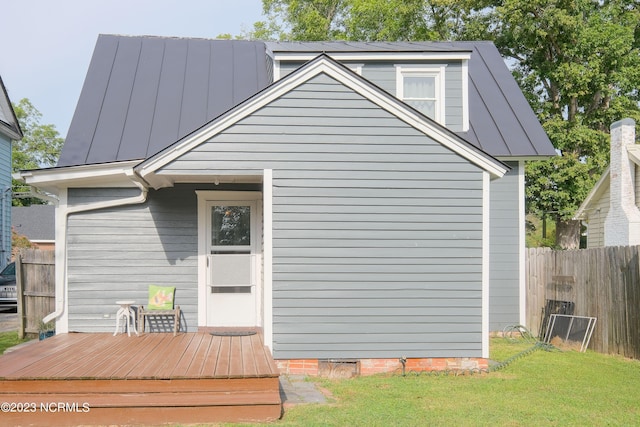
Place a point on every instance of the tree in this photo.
(370, 20)
(19, 242)
(39, 148)
(577, 62)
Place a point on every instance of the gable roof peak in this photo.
(322, 64)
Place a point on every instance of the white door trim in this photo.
(204, 198)
(267, 254)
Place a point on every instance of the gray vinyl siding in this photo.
(116, 253)
(377, 230)
(5, 201)
(383, 75)
(504, 272)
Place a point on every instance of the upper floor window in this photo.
(423, 89)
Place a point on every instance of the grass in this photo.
(9, 339)
(544, 388)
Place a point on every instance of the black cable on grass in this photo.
(526, 335)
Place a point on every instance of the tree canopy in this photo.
(577, 62)
(39, 148)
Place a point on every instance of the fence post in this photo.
(20, 297)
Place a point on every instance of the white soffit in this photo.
(102, 175)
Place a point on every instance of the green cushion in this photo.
(161, 297)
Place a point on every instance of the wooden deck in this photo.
(100, 379)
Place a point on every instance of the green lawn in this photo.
(544, 388)
(9, 339)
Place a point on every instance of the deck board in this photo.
(189, 352)
(209, 368)
(119, 356)
(200, 357)
(30, 354)
(248, 361)
(222, 363)
(264, 363)
(147, 349)
(235, 363)
(165, 365)
(149, 365)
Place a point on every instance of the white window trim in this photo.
(465, 96)
(435, 70)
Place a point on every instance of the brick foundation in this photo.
(381, 366)
(298, 367)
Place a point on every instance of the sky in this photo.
(47, 45)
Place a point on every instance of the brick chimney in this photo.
(622, 224)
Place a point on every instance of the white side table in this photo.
(126, 312)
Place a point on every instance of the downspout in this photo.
(5, 259)
(61, 285)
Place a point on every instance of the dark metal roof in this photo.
(501, 120)
(363, 47)
(37, 222)
(142, 94)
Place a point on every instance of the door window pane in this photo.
(231, 226)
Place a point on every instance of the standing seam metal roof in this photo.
(142, 94)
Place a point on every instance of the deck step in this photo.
(90, 385)
(60, 409)
(138, 400)
(152, 416)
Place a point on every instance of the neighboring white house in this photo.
(611, 208)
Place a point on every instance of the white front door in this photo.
(232, 262)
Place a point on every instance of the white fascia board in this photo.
(522, 158)
(522, 245)
(384, 100)
(634, 153)
(374, 56)
(465, 95)
(486, 265)
(102, 175)
(594, 195)
(7, 130)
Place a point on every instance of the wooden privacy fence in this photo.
(601, 282)
(35, 279)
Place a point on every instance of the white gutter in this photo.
(62, 216)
